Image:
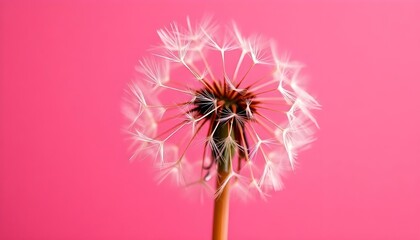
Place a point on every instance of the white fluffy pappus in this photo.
(203, 82)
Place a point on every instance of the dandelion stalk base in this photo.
(221, 209)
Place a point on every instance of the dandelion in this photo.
(211, 104)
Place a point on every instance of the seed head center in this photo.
(220, 102)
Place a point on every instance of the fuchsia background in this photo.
(64, 172)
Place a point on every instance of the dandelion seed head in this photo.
(210, 98)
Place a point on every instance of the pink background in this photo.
(64, 170)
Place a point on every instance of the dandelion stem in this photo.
(221, 208)
(224, 170)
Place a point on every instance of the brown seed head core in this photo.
(227, 110)
(229, 102)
